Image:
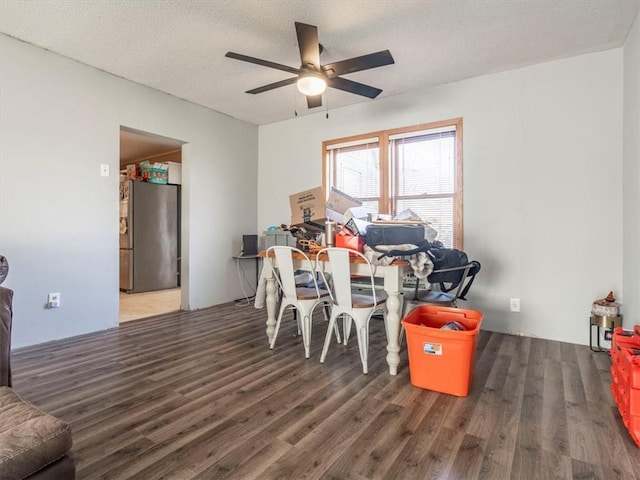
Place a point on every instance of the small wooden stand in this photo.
(602, 321)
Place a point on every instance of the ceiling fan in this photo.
(312, 78)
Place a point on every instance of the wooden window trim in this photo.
(385, 194)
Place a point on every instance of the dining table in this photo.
(392, 274)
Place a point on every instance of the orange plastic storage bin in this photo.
(441, 360)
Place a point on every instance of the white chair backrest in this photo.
(284, 270)
(340, 266)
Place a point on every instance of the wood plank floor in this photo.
(199, 395)
(134, 306)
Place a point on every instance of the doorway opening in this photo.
(134, 306)
(149, 224)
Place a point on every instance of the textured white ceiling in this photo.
(178, 46)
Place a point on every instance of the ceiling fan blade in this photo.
(271, 86)
(308, 44)
(353, 87)
(264, 63)
(356, 64)
(314, 101)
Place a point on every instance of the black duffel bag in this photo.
(380, 234)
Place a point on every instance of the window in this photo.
(417, 168)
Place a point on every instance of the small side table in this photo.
(602, 321)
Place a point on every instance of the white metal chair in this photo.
(353, 305)
(303, 299)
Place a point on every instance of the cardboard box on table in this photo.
(310, 210)
(341, 205)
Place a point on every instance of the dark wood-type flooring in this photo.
(199, 395)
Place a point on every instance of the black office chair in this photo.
(445, 287)
(442, 293)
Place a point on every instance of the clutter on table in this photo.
(343, 221)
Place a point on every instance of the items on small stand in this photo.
(604, 315)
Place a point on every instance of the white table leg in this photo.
(393, 331)
(392, 282)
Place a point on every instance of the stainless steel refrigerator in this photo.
(149, 236)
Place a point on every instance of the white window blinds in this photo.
(355, 170)
(423, 178)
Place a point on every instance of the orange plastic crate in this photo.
(633, 396)
(441, 360)
(615, 394)
(634, 428)
(628, 365)
(629, 398)
(632, 423)
(626, 338)
(615, 354)
(614, 375)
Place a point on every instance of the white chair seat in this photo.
(361, 300)
(306, 293)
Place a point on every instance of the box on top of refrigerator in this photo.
(174, 171)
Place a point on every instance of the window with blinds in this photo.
(355, 170)
(417, 168)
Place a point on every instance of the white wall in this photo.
(631, 175)
(542, 182)
(59, 121)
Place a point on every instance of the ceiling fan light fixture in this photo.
(311, 84)
(312, 77)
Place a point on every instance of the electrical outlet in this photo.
(104, 170)
(515, 304)
(53, 300)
